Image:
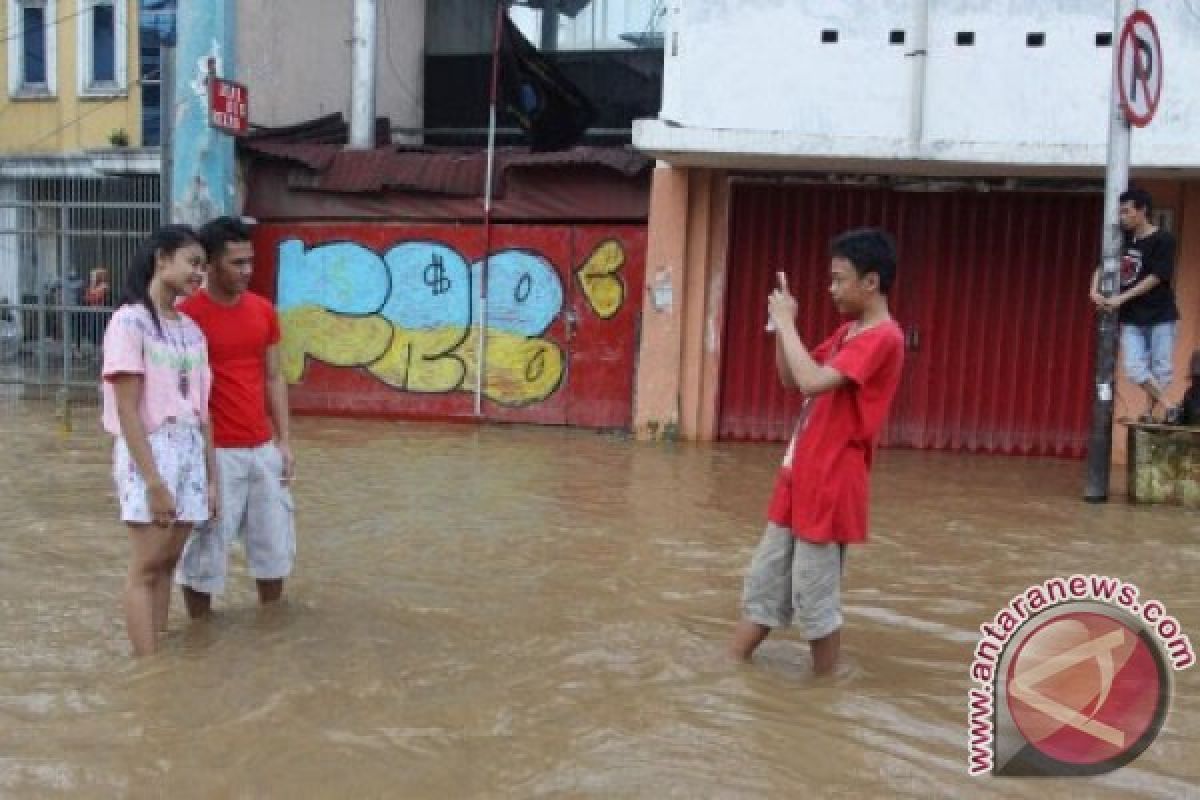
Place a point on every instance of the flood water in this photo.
(520, 612)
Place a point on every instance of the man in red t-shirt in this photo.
(820, 500)
(249, 412)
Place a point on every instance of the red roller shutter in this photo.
(992, 293)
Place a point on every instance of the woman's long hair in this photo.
(166, 240)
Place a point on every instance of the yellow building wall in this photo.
(68, 123)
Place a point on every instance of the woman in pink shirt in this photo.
(156, 387)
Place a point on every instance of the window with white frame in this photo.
(32, 50)
(103, 68)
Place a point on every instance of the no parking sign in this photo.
(1139, 69)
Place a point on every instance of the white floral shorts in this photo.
(179, 455)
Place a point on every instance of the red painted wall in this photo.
(379, 319)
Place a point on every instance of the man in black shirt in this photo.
(1145, 300)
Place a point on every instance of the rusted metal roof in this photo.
(330, 167)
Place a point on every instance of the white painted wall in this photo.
(295, 58)
(759, 65)
(752, 76)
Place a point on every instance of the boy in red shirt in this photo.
(820, 500)
(249, 414)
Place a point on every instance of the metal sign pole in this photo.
(166, 122)
(1099, 452)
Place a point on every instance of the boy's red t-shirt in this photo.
(823, 496)
(238, 338)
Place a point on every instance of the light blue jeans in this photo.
(1147, 352)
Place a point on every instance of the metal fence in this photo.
(66, 244)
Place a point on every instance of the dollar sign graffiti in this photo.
(435, 276)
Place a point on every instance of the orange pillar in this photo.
(656, 393)
(679, 360)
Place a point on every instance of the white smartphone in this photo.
(781, 280)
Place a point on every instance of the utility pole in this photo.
(362, 90)
(203, 179)
(166, 107)
(1099, 452)
(159, 16)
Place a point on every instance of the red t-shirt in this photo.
(238, 338)
(823, 497)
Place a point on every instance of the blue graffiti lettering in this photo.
(341, 277)
(431, 287)
(524, 292)
(421, 285)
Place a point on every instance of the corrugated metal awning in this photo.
(456, 173)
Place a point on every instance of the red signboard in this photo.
(228, 106)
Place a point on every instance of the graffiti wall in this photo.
(386, 319)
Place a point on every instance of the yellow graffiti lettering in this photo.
(520, 371)
(336, 339)
(421, 361)
(602, 286)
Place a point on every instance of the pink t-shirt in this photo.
(169, 362)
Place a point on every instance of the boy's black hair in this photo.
(869, 250)
(1140, 198)
(217, 233)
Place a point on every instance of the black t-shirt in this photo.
(1151, 255)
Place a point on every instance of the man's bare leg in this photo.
(825, 652)
(199, 604)
(270, 592)
(747, 636)
(1154, 397)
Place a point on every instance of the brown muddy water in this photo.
(521, 612)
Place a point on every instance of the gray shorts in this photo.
(791, 579)
(255, 507)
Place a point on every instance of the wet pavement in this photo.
(532, 612)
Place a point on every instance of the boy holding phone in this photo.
(821, 493)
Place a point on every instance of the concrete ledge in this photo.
(683, 145)
(1164, 464)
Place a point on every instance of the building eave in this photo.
(91, 164)
(718, 148)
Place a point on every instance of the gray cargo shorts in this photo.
(794, 580)
(255, 507)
